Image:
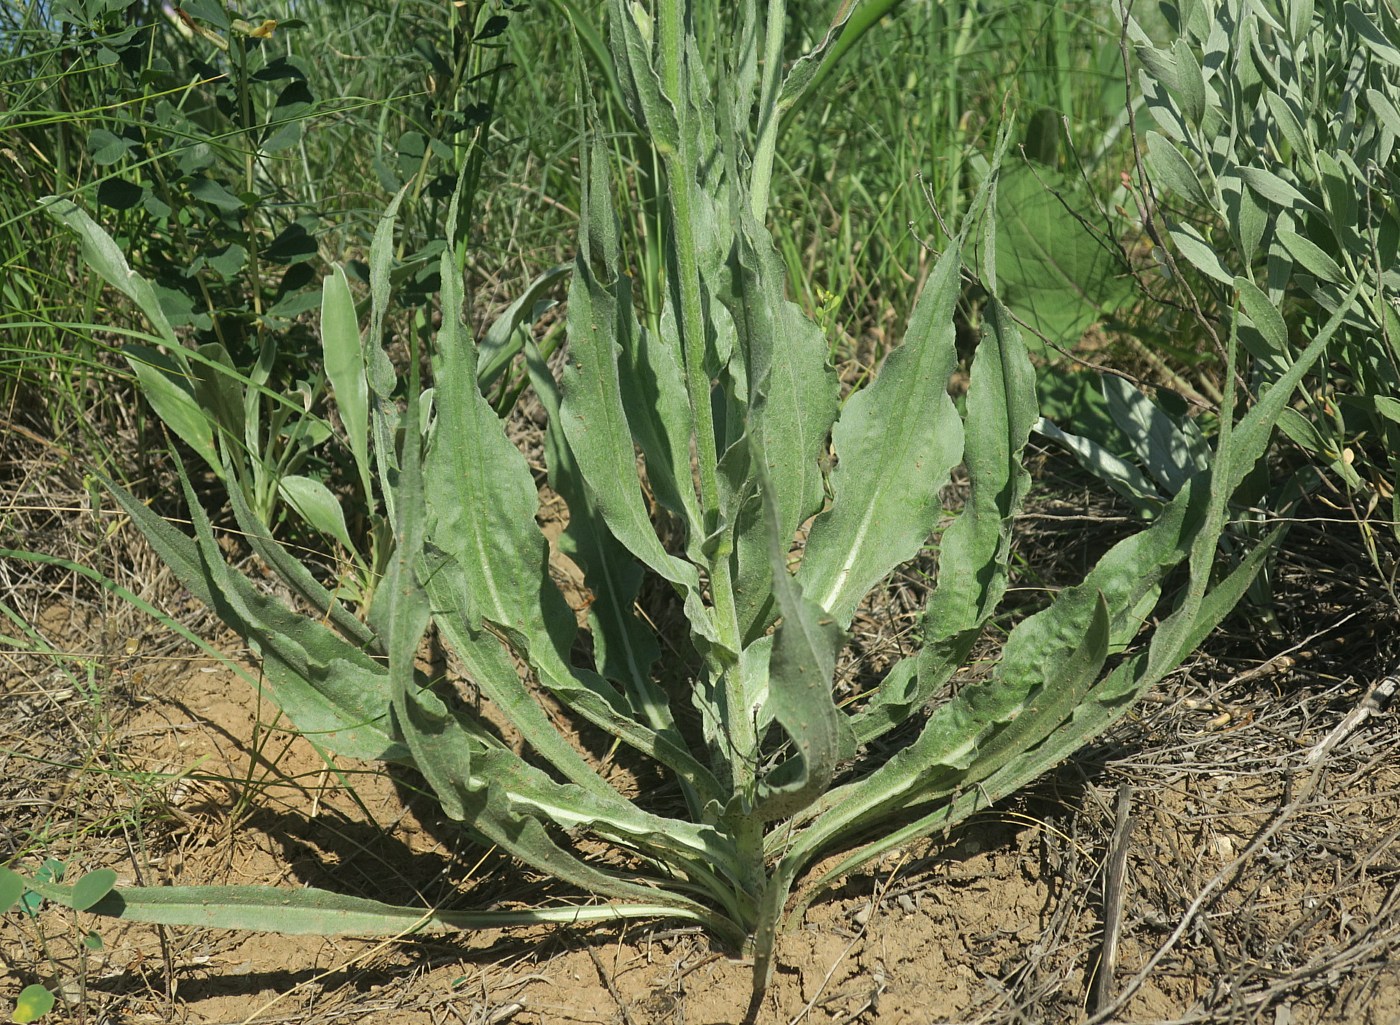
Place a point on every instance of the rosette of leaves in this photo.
(697, 455)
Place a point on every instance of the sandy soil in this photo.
(1001, 921)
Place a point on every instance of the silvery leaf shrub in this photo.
(1272, 148)
(698, 455)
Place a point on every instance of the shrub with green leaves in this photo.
(1273, 152)
(702, 455)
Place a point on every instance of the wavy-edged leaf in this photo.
(800, 669)
(791, 409)
(631, 43)
(593, 414)
(308, 911)
(494, 568)
(331, 689)
(896, 441)
(974, 552)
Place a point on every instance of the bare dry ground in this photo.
(1236, 833)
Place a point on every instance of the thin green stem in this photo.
(741, 757)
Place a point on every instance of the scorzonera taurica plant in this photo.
(700, 455)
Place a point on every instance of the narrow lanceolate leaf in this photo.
(658, 411)
(308, 911)
(501, 344)
(791, 409)
(896, 442)
(800, 669)
(295, 574)
(401, 615)
(168, 387)
(967, 738)
(345, 368)
(103, 255)
(330, 688)
(624, 648)
(631, 36)
(490, 563)
(593, 413)
(481, 498)
(975, 550)
(491, 803)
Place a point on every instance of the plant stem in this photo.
(741, 756)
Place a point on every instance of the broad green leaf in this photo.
(1384, 110)
(309, 911)
(896, 442)
(494, 564)
(1385, 405)
(1300, 19)
(652, 382)
(624, 648)
(223, 397)
(1119, 474)
(1264, 314)
(974, 552)
(1288, 124)
(379, 371)
(315, 504)
(1170, 454)
(1248, 220)
(631, 53)
(11, 889)
(345, 369)
(1051, 269)
(791, 409)
(33, 1002)
(1340, 186)
(91, 888)
(295, 574)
